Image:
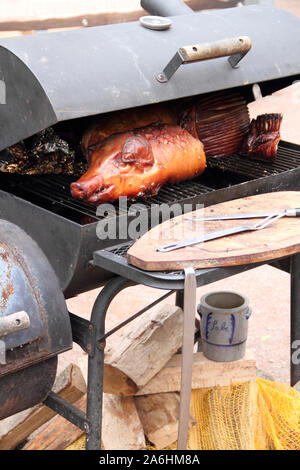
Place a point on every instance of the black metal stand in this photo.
(91, 336)
(295, 319)
(96, 361)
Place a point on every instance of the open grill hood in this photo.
(52, 77)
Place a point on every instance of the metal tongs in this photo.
(293, 212)
(222, 233)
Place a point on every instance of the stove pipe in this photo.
(166, 8)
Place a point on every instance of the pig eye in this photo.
(136, 149)
(125, 167)
(119, 163)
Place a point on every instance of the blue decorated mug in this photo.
(224, 325)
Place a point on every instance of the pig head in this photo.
(115, 168)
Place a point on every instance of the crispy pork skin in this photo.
(137, 163)
(263, 137)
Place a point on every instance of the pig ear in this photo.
(136, 149)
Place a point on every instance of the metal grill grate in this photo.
(287, 159)
(121, 252)
(52, 191)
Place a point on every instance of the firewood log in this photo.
(69, 384)
(159, 415)
(206, 373)
(58, 433)
(143, 348)
(121, 425)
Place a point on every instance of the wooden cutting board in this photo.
(282, 238)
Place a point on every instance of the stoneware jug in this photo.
(224, 325)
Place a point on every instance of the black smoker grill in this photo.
(46, 248)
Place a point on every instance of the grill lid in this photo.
(29, 285)
(51, 77)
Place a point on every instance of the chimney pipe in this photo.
(166, 7)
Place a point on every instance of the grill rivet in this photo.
(86, 427)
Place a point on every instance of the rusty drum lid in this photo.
(28, 284)
(17, 295)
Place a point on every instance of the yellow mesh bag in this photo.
(278, 417)
(77, 445)
(263, 416)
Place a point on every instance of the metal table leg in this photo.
(96, 361)
(189, 311)
(295, 319)
(96, 355)
(96, 358)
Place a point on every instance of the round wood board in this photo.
(282, 238)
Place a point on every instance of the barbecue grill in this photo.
(49, 238)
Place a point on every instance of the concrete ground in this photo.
(268, 289)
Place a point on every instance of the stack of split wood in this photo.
(142, 389)
(142, 380)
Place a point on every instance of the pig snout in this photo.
(86, 188)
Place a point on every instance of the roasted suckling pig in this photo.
(127, 158)
(138, 162)
(263, 137)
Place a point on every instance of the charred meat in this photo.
(263, 137)
(44, 153)
(220, 121)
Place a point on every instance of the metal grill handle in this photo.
(235, 48)
(10, 324)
